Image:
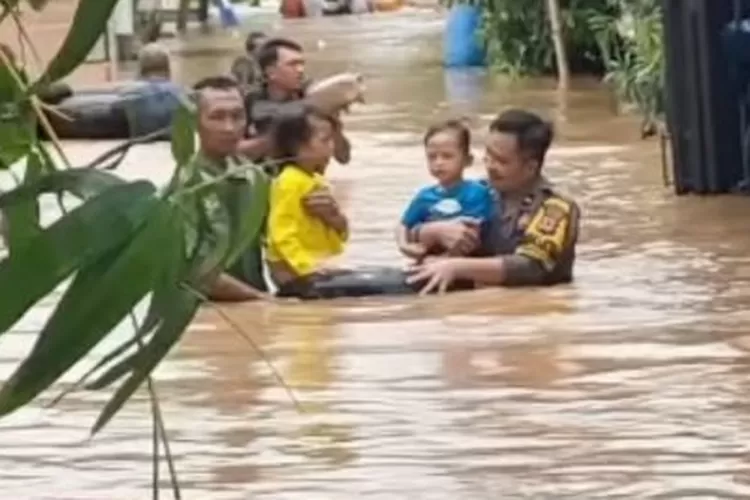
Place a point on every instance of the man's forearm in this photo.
(481, 270)
(254, 148)
(228, 289)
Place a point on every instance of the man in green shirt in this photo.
(222, 123)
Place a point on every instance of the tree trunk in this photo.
(558, 40)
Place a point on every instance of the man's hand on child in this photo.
(321, 203)
(413, 250)
(462, 238)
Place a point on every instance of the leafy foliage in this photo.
(126, 242)
(633, 48)
(518, 39)
(619, 39)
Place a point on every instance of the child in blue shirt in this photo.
(448, 149)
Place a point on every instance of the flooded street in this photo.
(631, 383)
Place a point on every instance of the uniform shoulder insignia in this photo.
(553, 212)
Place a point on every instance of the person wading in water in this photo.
(221, 126)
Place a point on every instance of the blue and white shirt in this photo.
(469, 198)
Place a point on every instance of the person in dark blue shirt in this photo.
(448, 149)
(153, 101)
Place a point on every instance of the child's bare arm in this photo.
(410, 249)
(321, 203)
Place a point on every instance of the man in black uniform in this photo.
(533, 237)
(282, 65)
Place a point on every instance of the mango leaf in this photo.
(81, 182)
(12, 80)
(149, 324)
(98, 226)
(226, 217)
(88, 25)
(183, 306)
(99, 298)
(246, 222)
(16, 120)
(16, 135)
(115, 372)
(23, 218)
(167, 285)
(183, 133)
(198, 229)
(176, 306)
(107, 359)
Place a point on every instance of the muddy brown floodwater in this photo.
(631, 383)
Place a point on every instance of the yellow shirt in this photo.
(296, 238)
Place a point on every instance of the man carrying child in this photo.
(448, 150)
(530, 240)
(221, 126)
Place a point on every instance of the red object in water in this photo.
(292, 8)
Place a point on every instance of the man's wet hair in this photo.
(291, 129)
(457, 127)
(153, 59)
(534, 135)
(220, 82)
(268, 53)
(251, 42)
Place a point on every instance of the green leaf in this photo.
(245, 226)
(168, 284)
(23, 218)
(176, 307)
(100, 297)
(183, 133)
(183, 306)
(149, 324)
(17, 138)
(81, 182)
(10, 78)
(110, 357)
(115, 372)
(98, 226)
(88, 25)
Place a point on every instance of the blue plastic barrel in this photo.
(461, 47)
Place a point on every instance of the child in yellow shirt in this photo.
(299, 245)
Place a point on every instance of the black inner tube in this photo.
(363, 282)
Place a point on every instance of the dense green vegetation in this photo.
(602, 37)
(115, 245)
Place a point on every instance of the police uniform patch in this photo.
(552, 216)
(544, 238)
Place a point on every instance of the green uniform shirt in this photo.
(231, 209)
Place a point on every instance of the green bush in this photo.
(620, 40)
(126, 242)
